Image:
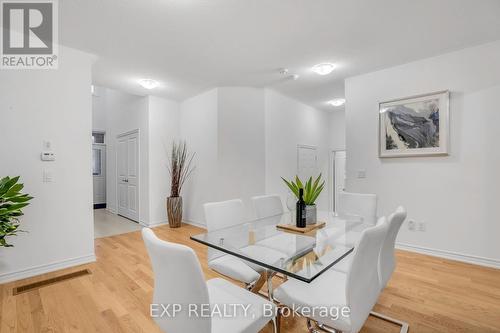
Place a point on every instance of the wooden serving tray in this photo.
(308, 228)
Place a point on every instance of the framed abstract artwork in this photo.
(414, 126)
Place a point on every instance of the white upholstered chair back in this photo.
(359, 204)
(267, 205)
(363, 285)
(178, 280)
(387, 259)
(220, 215)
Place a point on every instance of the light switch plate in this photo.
(361, 173)
(48, 176)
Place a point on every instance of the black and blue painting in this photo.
(412, 125)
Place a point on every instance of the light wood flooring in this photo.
(432, 294)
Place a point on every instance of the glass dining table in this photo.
(301, 256)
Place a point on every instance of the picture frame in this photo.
(414, 126)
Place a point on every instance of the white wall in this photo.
(456, 195)
(198, 124)
(55, 105)
(157, 119)
(337, 129)
(245, 140)
(241, 144)
(98, 109)
(123, 113)
(288, 124)
(164, 122)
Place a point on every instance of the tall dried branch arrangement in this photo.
(180, 168)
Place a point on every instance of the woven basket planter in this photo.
(174, 211)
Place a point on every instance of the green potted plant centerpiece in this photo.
(12, 201)
(180, 168)
(312, 190)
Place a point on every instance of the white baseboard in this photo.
(42, 269)
(196, 224)
(482, 261)
(154, 224)
(165, 222)
(112, 210)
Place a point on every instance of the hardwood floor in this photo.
(432, 294)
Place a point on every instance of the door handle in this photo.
(125, 180)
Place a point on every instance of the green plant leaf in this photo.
(311, 189)
(316, 182)
(3, 181)
(10, 182)
(299, 183)
(292, 187)
(20, 198)
(318, 192)
(11, 204)
(307, 191)
(17, 206)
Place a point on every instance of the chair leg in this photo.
(276, 327)
(311, 327)
(257, 285)
(269, 276)
(404, 325)
(278, 319)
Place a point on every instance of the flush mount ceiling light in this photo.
(337, 102)
(148, 83)
(323, 69)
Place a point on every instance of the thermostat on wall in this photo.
(48, 156)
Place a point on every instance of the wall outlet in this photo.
(421, 226)
(411, 225)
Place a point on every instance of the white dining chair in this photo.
(220, 215)
(267, 205)
(386, 260)
(179, 282)
(358, 204)
(358, 289)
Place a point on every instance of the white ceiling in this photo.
(194, 45)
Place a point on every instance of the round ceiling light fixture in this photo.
(323, 69)
(149, 83)
(337, 102)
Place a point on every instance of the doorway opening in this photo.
(337, 176)
(99, 169)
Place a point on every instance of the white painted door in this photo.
(339, 175)
(99, 173)
(307, 162)
(128, 175)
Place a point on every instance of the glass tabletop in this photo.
(300, 256)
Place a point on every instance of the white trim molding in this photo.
(467, 258)
(196, 224)
(112, 210)
(153, 224)
(42, 269)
